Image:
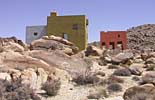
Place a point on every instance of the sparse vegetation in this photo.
(98, 94)
(15, 90)
(113, 67)
(114, 79)
(114, 87)
(135, 78)
(52, 87)
(150, 67)
(86, 77)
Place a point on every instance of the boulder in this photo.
(145, 92)
(68, 51)
(136, 69)
(122, 72)
(14, 47)
(16, 60)
(93, 51)
(150, 60)
(5, 76)
(61, 40)
(34, 77)
(42, 44)
(148, 77)
(41, 77)
(54, 43)
(29, 76)
(60, 60)
(122, 57)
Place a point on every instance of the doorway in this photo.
(111, 45)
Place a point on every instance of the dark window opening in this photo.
(112, 45)
(118, 35)
(75, 27)
(120, 45)
(103, 45)
(87, 22)
(35, 33)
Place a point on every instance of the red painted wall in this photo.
(113, 36)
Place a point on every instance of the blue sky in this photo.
(103, 15)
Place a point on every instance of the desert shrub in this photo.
(52, 87)
(135, 78)
(15, 90)
(113, 67)
(150, 67)
(114, 87)
(98, 94)
(122, 72)
(86, 77)
(114, 79)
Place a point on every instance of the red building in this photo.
(113, 40)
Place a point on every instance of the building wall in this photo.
(74, 26)
(113, 37)
(34, 32)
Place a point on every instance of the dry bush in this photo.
(113, 67)
(114, 79)
(99, 93)
(87, 77)
(135, 78)
(52, 87)
(114, 87)
(15, 90)
(150, 67)
(122, 72)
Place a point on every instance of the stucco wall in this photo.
(59, 25)
(115, 37)
(30, 30)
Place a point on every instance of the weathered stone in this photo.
(148, 77)
(145, 92)
(14, 47)
(122, 72)
(136, 69)
(150, 60)
(93, 51)
(122, 57)
(5, 76)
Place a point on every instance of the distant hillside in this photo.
(141, 37)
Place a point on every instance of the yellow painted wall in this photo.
(57, 25)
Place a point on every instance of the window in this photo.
(111, 45)
(35, 33)
(65, 36)
(103, 45)
(75, 27)
(120, 45)
(118, 35)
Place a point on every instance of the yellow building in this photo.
(72, 28)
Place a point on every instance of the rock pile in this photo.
(141, 37)
(71, 75)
